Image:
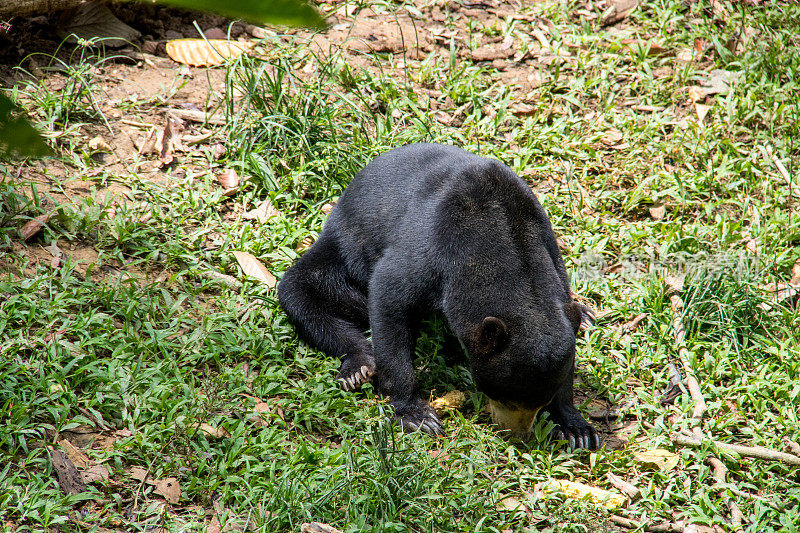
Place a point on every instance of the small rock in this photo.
(215, 33)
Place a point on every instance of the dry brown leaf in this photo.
(657, 211)
(138, 473)
(214, 433)
(253, 267)
(170, 139)
(75, 454)
(95, 473)
(663, 460)
(33, 226)
(57, 254)
(491, 52)
(701, 110)
(205, 53)
(750, 245)
(327, 208)
(169, 488)
(228, 178)
(262, 213)
(795, 279)
(611, 136)
(318, 527)
(214, 526)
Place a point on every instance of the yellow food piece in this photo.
(579, 491)
(455, 399)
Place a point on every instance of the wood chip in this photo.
(69, 479)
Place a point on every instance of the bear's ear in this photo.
(492, 335)
(580, 316)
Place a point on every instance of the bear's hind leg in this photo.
(329, 311)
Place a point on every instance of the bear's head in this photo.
(520, 361)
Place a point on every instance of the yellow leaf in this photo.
(204, 53)
(663, 460)
(253, 267)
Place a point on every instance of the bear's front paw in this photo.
(354, 372)
(575, 430)
(417, 415)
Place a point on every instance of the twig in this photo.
(720, 470)
(629, 489)
(683, 355)
(230, 281)
(666, 527)
(756, 452)
(197, 116)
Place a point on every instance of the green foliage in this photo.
(281, 12)
(17, 136)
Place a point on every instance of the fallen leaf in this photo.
(75, 454)
(215, 433)
(95, 473)
(702, 111)
(619, 11)
(205, 53)
(228, 178)
(795, 279)
(657, 211)
(611, 136)
(751, 246)
(318, 527)
(213, 525)
(218, 150)
(170, 139)
(327, 208)
(454, 399)
(581, 491)
(169, 488)
(253, 267)
(510, 503)
(57, 254)
(262, 213)
(33, 226)
(491, 52)
(138, 473)
(663, 460)
(93, 20)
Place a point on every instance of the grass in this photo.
(131, 353)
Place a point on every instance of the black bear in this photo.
(429, 228)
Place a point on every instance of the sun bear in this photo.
(430, 228)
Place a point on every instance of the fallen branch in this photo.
(627, 523)
(699, 411)
(720, 470)
(196, 116)
(225, 279)
(756, 452)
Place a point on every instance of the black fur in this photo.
(430, 228)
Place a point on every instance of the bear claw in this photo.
(355, 380)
